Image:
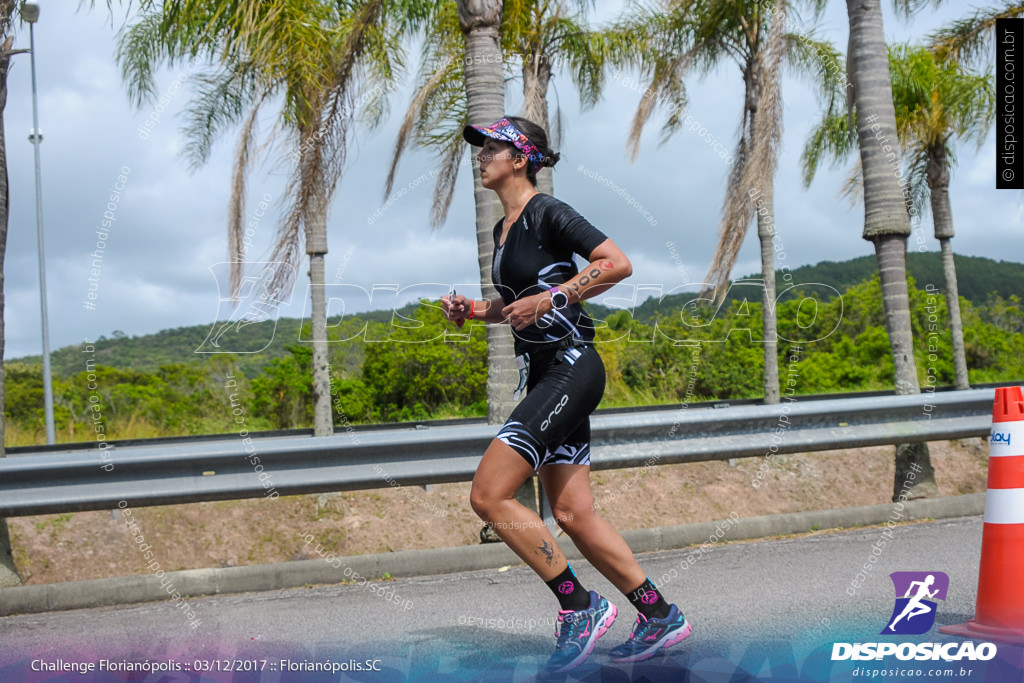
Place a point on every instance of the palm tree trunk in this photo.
(316, 247)
(956, 326)
(536, 76)
(891, 251)
(485, 101)
(914, 475)
(8, 571)
(886, 221)
(942, 217)
(770, 337)
(757, 185)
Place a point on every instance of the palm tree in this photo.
(311, 56)
(8, 571)
(540, 34)
(970, 40)
(668, 41)
(484, 79)
(482, 102)
(886, 219)
(936, 103)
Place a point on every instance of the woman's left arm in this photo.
(608, 265)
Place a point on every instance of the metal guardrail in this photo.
(187, 472)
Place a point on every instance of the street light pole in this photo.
(30, 14)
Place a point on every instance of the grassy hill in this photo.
(978, 278)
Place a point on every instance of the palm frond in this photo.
(444, 188)
(820, 63)
(412, 115)
(970, 40)
(140, 51)
(908, 8)
(236, 205)
(832, 138)
(915, 174)
(754, 174)
(221, 100)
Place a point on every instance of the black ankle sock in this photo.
(571, 595)
(648, 601)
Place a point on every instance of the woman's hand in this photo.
(527, 311)
(455, 307)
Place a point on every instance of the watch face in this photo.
(559, 299)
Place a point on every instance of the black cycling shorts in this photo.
(551, 426)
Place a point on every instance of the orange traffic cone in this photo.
(999, 614)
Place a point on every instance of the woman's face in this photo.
(496, 162)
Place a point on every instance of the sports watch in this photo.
(559, 299)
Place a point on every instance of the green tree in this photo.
(886, 220)
(936, 105)
(421, 371)
(281, 394)
(970, 40)
(310, 57)
(538, 34)
(669, 40)
(484, 82)
(8, 572)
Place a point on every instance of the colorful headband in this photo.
(503, 129)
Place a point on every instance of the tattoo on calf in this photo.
(548, 552)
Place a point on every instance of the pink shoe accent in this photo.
(638, 621)
(678, 637)
(601, 628)
(683, 634)
(609, 619)
(562, 614)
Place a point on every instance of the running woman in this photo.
(549, 430)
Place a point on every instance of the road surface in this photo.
(765, 610)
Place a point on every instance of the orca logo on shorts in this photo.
(555, 411)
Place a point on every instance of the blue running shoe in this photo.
(579, 633)
(651, 635)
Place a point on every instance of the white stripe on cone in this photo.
(1004, 506)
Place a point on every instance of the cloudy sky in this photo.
(158, 262)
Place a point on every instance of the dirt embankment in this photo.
(90, 545)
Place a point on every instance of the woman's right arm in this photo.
(488, 311)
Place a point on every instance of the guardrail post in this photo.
(546, 513)
(8, 572)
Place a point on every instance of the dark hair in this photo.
(538, 137)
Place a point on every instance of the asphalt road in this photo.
(764, 610)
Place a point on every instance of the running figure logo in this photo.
(914, 612)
